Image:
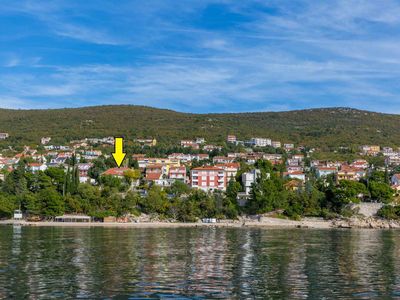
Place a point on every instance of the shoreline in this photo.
(265, 222)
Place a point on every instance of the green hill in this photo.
(314, 127)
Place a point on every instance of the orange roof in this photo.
(153, 176)
(115, 171)
(346, 168)
(295, 173)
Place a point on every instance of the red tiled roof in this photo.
(115, 171)
(295, 173)
(153, 176)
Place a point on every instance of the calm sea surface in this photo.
(204, 263)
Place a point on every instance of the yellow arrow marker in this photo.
(119, 155)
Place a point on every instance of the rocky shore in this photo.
(366, 222)
(267, 222)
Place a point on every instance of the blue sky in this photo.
(201, 55)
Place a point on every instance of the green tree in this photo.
(380, 191)
(57, 176)
(179, 188)
(156, 201)
(7, 206)
(51, 202)
(268, 194)
(346, 192)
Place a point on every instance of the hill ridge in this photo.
(318, 127)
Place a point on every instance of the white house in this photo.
(324, 171)
(36, 167)
(250, 178)
(260, 142)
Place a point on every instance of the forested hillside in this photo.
(314, 127)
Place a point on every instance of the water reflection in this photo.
(199, 263)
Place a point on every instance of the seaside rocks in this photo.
(370, 222)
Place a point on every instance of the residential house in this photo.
(190, 144)
(250, 178)
(181, 157)
(275, 159)
(260, 142)
(293, 162)
(201, 156)
(156, 172)
(208, 178)
(299, 157)
(147, 142)
(200, 141)
(222, 159)
(388, 151)
(371, 150)
(360, 164)
(178, 173)
(115, 172)
(210, 148)
(276, 144)
(92, 154)
(143, 162)
(288, 147)
(392, 160)
(45, 140)
(4, 135)
(83, 169)
(36, 167)
(231, 169)
(293, 185)
(294, 168)
(231, 139)
(325, 171)
(349, 173)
